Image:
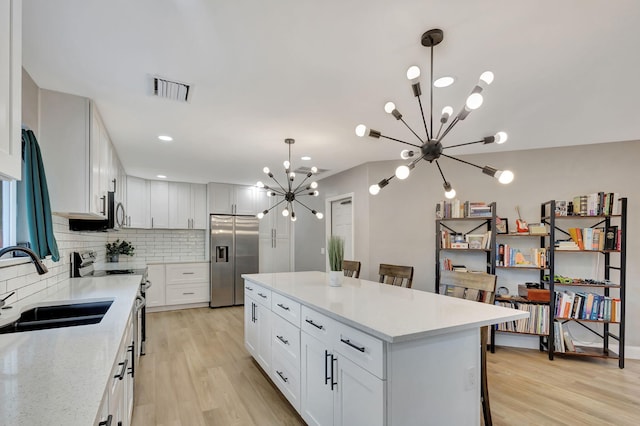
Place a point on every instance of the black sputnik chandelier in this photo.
(290, 192)
(431, 149)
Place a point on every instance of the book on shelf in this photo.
(586, 306)
(591, 239)
(594, 204)
(455, 209)
(514, 257)
(568, 341)
(536, 323)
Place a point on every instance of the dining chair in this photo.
(351, 268)
(479, 287)
(396, 275)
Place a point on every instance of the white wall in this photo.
(399, 222)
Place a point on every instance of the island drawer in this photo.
(287, 378)
(258, 293)
(318, 325)
(286, 308)
(361, 348)
(286, 337)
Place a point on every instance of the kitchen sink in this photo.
(69, 315)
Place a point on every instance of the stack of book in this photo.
(587, 306)
(456, 209)
(595, 204)
(597, 239)
(514, 257)
(537, 323)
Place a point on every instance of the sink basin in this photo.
(69, 315)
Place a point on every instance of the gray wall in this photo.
(397, 226)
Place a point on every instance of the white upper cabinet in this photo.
(159, 203)
(137, 205)
(232, 199)
(187, 205)
(10, 89)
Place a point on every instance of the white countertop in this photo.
(393, 314)
(58, 376)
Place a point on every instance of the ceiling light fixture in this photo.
(305, 158)
(431, 149)
(445, 81)
(290, 191)
(161, 176)
(165, 138)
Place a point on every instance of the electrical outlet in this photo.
(321, 250)
(471, 378)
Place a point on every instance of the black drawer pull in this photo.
(286, 308)
(248, 288)
(106, 422)
(123, 371)
(283, 340)
(264, 296)
(320, 327)
(348, 342)
(282, 376)
(185, 294)
(188, 273)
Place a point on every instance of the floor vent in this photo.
(305, 170)
(172, 90)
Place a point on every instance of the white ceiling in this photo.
(567, 73)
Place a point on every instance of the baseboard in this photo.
(632, 352)
(176, 307)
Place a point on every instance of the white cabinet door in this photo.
(251, 329)
(137, 203)
(200, 217)
(10, 88)
(155, 294)
(263, 319)
(358, 396)
(180, 206)
(159, 204)
(274, 255)
(316, 396)
(245, 200)
(95, 149)
(221, 198)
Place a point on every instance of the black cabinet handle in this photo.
(333, 359)
(133, 357)
(253, 306)
(264, 296)
(348, 342)
(186, 294)
(106, 422)
(188, 273)
(123, 371)
(104, 204)
(286, 308)
(319, 327)
(326, 368)
(282, 376)
(283, 340)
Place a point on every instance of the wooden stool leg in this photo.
(484, 397)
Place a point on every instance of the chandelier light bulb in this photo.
(269, 194)
(292, 175)
(413, 72)
(474, 101)
(260, 215)
(487, 77)
(316, 193)
(266, 170)
(285, 212)
(314, 170)
(260, 184)
(313, 185)
(501, 137)
(402, 172)
(405, 154)
(504, 176)
(450, 194)
(319, 215)
(374, 189)
(389, 107)
(286, 164)
(447, 110)
(293, 217)
(361, 129)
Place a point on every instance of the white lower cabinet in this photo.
(175, 284)
(155, 295)
(331, 373)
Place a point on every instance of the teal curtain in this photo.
(37, 206)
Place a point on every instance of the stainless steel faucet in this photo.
(34, 257)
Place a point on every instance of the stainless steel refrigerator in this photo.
(234, 251)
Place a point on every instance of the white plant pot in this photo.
(335, 278)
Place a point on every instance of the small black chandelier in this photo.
(290, 192)
(431, 149)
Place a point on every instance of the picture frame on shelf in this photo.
(475, 240)
(502, 225)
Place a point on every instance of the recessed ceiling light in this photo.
(161, 176)
(165, 138)
(444, 81)
(305, 158)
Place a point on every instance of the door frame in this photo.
(329, 222)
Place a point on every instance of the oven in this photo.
(82, 265)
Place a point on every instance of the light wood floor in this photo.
(197, 372)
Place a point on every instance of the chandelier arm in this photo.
(441, 174)
(281, 187)
(417, 136)
(439, 130)
(463, 144)
(303, 181)
(398, 140)
(424, 120)
(304, 205)
(275, 205)
(462, 161)
(453, 123)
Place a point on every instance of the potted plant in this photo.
(116, 248)
(336, 254)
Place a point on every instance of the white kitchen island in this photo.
(368, 353)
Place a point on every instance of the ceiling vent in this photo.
(172, 90)
(305, 170)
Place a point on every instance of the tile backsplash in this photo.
(155, 245)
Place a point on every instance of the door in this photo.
(358, 396)
(222, 261)
(316, 396)
(159, 204)
(250, 327)
(263, 319)
(180, 207)
(246, 253)
(199, 202)
(137, 203)
(341, 223)
(245, 200)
